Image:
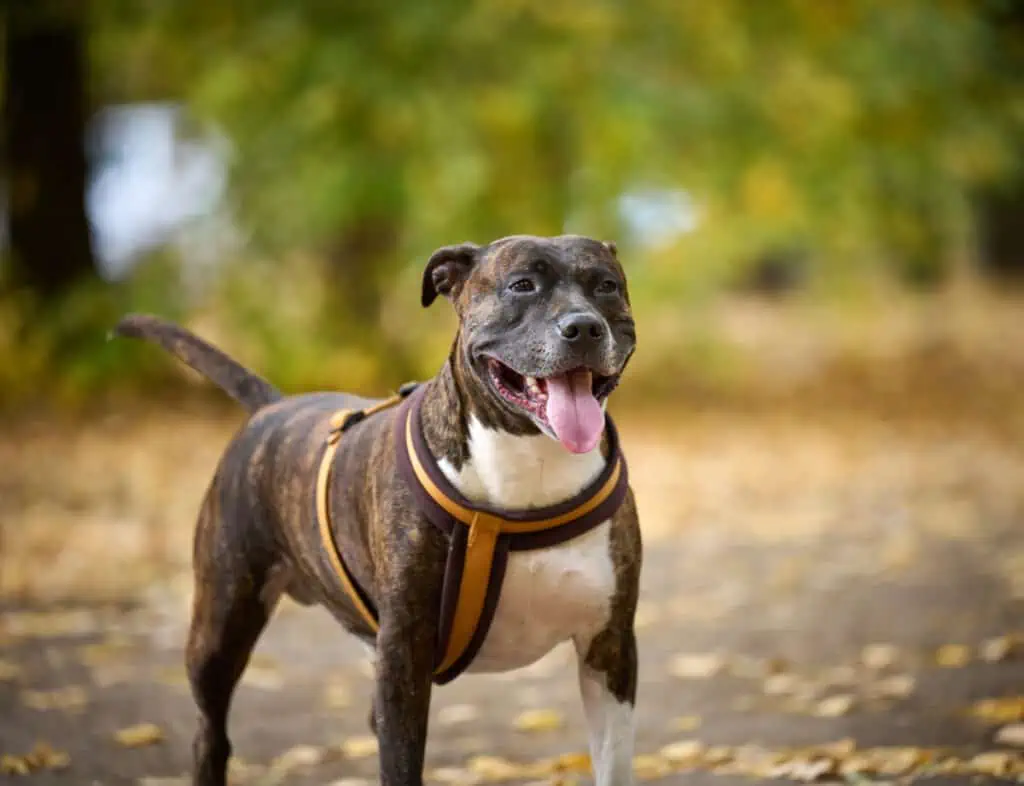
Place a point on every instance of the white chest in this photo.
(549, 595)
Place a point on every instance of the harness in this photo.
(480, 537)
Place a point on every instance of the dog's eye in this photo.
(608, 287)
(522, 285)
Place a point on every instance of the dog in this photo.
(314, 498)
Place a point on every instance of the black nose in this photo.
(580, 327)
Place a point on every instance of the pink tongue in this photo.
(573, 412)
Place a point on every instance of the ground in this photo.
(814, 576)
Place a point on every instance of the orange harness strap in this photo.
(340, 421)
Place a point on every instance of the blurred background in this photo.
(820, 208)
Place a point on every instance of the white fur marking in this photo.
(611, 728)
(549, 595)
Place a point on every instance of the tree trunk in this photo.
(44, 126)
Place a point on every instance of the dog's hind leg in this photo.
(231, 607)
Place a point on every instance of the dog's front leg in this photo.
(607, 675)
(402, 699)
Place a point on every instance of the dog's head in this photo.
(545, 329)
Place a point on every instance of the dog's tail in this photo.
(248, 389)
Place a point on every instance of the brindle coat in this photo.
(257, 535)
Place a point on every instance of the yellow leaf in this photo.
(338, 695)
(898, 686)
(684, 751)
(13, 765)
(996, 763)
(572, 762)
(834, 706)
(999, 648)
(953, 656)
(494, 768)
(139, 736)
(539, 720)
(781, 685)
(647, 767)
(72, 697)
(41, 757)
(879, 656)
(692, 666)
(359, 747)
(297, 757)
(1012, 735)
(1007, 709)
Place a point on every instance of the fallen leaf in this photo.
(456, 714)
(999, 648)
(835, 706)
(539, 720)
(103, 652)
(13, 765)
(997, 763)
(1006, 709)
(359, 747)
(139, 736)
(240, 771)
(781, 685)
(685, 723)
(1012, 735)
(683, 752)
(41, 757)
(695, 666)
(879, 656)
(897, 686)
(298, 757)
(953, 656)
(647, 767)
(806, 770)
(494, 768)
(839, 749)
(72, 697)
(49, 624)
(898, 760)
(338, 695)
(572, 762)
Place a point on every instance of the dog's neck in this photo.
(492, 464)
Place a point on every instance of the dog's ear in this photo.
(447, 270)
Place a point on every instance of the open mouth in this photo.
(568, 404)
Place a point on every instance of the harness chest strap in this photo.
(480, 537)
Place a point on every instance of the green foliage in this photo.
(366, 134)
(852, 127)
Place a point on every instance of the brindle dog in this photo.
(514, 419)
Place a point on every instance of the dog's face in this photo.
(545, 327)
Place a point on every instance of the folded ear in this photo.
(447, 270)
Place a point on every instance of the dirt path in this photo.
(779, 554)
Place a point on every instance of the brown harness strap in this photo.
(480, 536)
